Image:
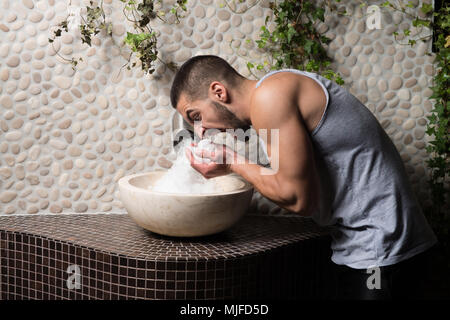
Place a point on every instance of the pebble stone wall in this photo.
(67, 136)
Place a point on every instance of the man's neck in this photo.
(243, 99)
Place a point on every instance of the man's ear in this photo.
(218, 92)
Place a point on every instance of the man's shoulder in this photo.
(277, 88)
(273, 100)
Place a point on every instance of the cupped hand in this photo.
(217, 166)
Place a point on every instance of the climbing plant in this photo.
(294, 41)
(438, 129)
(437, 22)
(142, 42)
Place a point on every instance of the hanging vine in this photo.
(295, 42)
(142, 42)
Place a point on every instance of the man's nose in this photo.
(199, 131)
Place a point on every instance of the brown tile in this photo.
(120, 260)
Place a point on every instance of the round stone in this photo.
(247, 28)
(115, 147)
(361, 26)
(411, 54)
(199, 12)
(81, 207)
(5, 173)
(408, 139)
(367, 68)
(80, 163)
(164, 163)
(20, 172)
(111, 122)
(36, 16)
(4, 28)
(132, 94)
(382, 85)
(74, 151)
(346, 51)
(4, 74)
(416, 112)
(396, 83)
(189, 43)
(33, 209)
(89, 75)
(139, 152)
(408, 64)
(223, 15)
(7, 196)
(236, 20)
(28, 4)
(387, 63)
(356, 72)
(102, 102)
(224, 27)
(63, 82)
(417, 99)
(374, 95)
(429, 70)
(6, 101)
(373, 59)
(410, 83)
(54, 208)
(405, 105)
(210, 11)
(142, 128)
(65, 124)
(8, 115)
(402, 113)
(182, 55)
(10, 209)
(397, 68)
(409, 124)
(404, 94)
(419, 133)
(352, 38)
(399, 56)
(13, 135)
(118, 29)
(13, 61)
(379, 47)
(101, 147)
(391, 50)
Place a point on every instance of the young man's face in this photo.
(208, 114)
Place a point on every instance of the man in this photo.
(336, 164)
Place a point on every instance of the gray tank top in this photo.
(366, 196)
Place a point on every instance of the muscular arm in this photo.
(294, 185)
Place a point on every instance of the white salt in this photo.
(182, 178)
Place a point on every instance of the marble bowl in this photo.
(184, 215)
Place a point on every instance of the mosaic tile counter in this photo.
(260, 257)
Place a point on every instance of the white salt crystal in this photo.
(182, 178)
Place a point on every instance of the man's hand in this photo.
(218, 165)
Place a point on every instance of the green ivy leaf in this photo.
(426, 8)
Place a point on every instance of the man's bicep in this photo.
(290, 152)
(292, 163)
(282, 128)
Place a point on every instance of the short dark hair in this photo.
(196, 74)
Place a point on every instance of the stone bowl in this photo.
(184, 215)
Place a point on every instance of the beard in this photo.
(229, 118)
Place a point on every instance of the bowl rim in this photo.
(125, 182)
